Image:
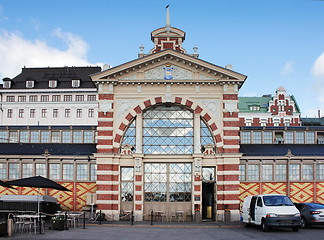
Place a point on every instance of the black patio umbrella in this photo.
(5, 184)
(38, 182)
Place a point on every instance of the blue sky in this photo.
(274, 42)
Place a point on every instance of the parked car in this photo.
(311, 213)
(270, 210)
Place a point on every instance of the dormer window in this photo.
(6, 83)
(29, 84)
(255, 108)
(75, 83)
(52, 83)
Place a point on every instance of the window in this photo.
(40, 169)
(30, 84)
(67, 98)
(67, 113)
(276, 122)
(308, 172)
(255, 108)
(320, 172)
(88, 136)
(300, 138)
(44, 136)
(289, 137)
(52, 83)
(66, 136)
(91, 113)
(82, 172)
(3, 171)
(253, 172)
(56, 137)
(294, 173)
(44, 113)
(44, 98)
(77, 136)
(127, 184)
(56, 98)
(33, 98)
(263, 122)
(91, 98)
(34, 136)
(13, 170)
(10, 98)
(3, 136)
(205, 135)
(21, 113)
(79, 113)
(267, 137)
(242, 172)
(208, 174)
(155, 182)
(32, 113)
(13, 136)
(27, 170)
(21, 98)
(168, 130)
(6, 84)
(246, 137)
(79, 98)
(287, 122)
(23, 136)
(55, 113)
(248, 122)
(259, 202)
(93, 172)
(257, 136)
(68, 172)
(75, 83)
(267, 171)
(130, 135)
(9, 113)
(54, 171)
(180, 182)
(279, 138)
(310, 137)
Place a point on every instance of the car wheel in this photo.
(303, 223)
(295, 229)
(264, 226)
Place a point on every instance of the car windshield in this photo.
(277, 201)
(315, 205)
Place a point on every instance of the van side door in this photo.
(252, 208)
(259, 211)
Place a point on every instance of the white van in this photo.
(270, 210)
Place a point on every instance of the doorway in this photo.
(207, 201)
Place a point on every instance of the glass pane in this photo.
(205, 134)
(294, 173)
(93, 172)
(27, 170)
(267, 171)
(23, 136)
(77, 136)
(130, 135)
(208, 173)
(54, 171)
(281, 172)
(242, 172)
(168, 130)
(253, 172)
(3, 171)
(68, 171)
(41, 169)
(13, 170)
(127, 174)
(82, 172)
(88, 136)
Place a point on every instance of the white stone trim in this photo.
(107, 201)
(231, 119)
(220, 173)
(107, 182)
(106, 192)
(226, 201)
(107, 172)
(104, 128)
(104, 147)
(228, 182)
(231, 146)
(232, 137)
(231, 128)
(104, 137)
(227, 192)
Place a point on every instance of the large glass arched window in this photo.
(168, 129)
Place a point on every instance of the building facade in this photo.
(48, 126)
(165, 132)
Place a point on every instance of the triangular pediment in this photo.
(155, 66)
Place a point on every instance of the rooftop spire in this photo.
(167, 22)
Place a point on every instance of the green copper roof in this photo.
(245, 103)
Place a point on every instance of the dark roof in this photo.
(53, 149)
(282, 149)
(312, 121)
(63, 75)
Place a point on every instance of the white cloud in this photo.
(2, 17)
(318, 86)
(288, 68)
(16, 52)
(35, 22)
